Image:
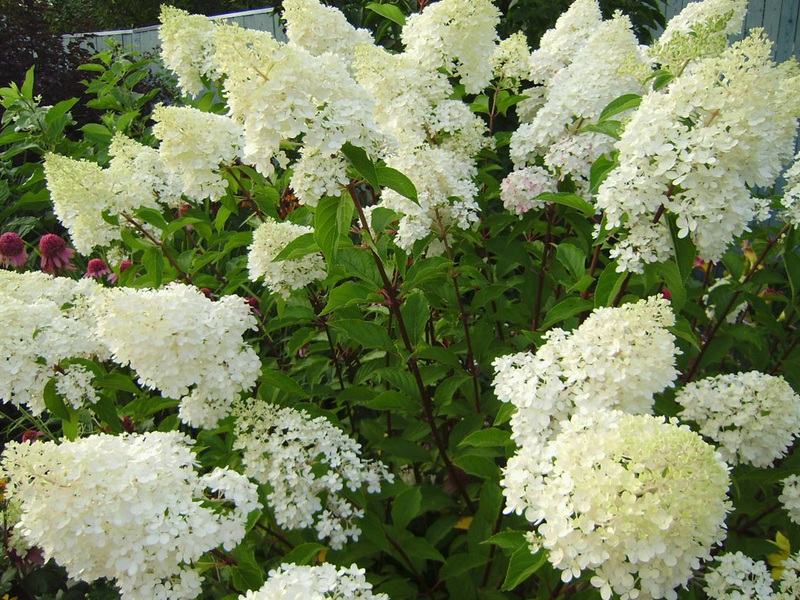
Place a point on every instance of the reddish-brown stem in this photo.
(537, 311)
(427, 402)
(159, 245)
(714, 326)
(470, 358)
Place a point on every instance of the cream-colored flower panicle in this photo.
(128, 508)
(618, 358)
(81, 191)
(320, 582)
(726, 125)
(306, 462)
(319, 29)
(195, 147)
(458, 35)
(634, 499)
(45, 321)
(282, 277)
(181, 343)
(701, 29)
(187, 47)
(753, 417)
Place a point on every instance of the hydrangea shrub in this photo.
(463, 320)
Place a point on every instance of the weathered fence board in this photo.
(145, 39)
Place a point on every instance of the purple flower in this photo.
(55, 254)
(12, 250)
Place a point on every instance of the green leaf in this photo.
(600, 169)
(348, 294)
(299, 247)
(421, 548)
(326, 227)
(522, 565)
(506, 101)
(459, 564)
(491, 437)
(246, 574)
(568, 307)
(416, 313)
(567, 199)
(792, 264)
(685, 250)
(97, 133)
(282, 382)
(304, 554)
(54, 402)
(405, 507)
(117, 381)
(366, 333)
(509, 541)
(480, 466)
(674, 281)
(153, 261)
(388, 11)
(619, 105)
(106, 410)
(609, 285)
(573, 259)
(362, 163)
(610, 128)
(395, 447)
(394, 401)
(395, 180)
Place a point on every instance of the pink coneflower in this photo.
(97, 268)
(123, 266)
(12, 250)
(55, 254)
(255, 305)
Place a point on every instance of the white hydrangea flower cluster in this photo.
(790, 497)
(791, 194)
(187, 47)
(194, 144)
(753, 417)
(457, 35)
(433, 141)
(285, 448)
(559, 45)
(320, 582)
(701, 29)
(45, 320)
(738, 577)
(637, 500)
(320, 29)
(75, 385)
(148, 180)
(511, 61)
(181, 343)
(281, 92)
(81, 190)
(445, 189)
(617, 358)
(129, 508)
(727, 123)
(282, 277)
(521, 187)
(789, 584)
(608, 65)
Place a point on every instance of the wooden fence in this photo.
(145, 39)
(779, 18)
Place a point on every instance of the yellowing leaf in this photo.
(463, 523)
